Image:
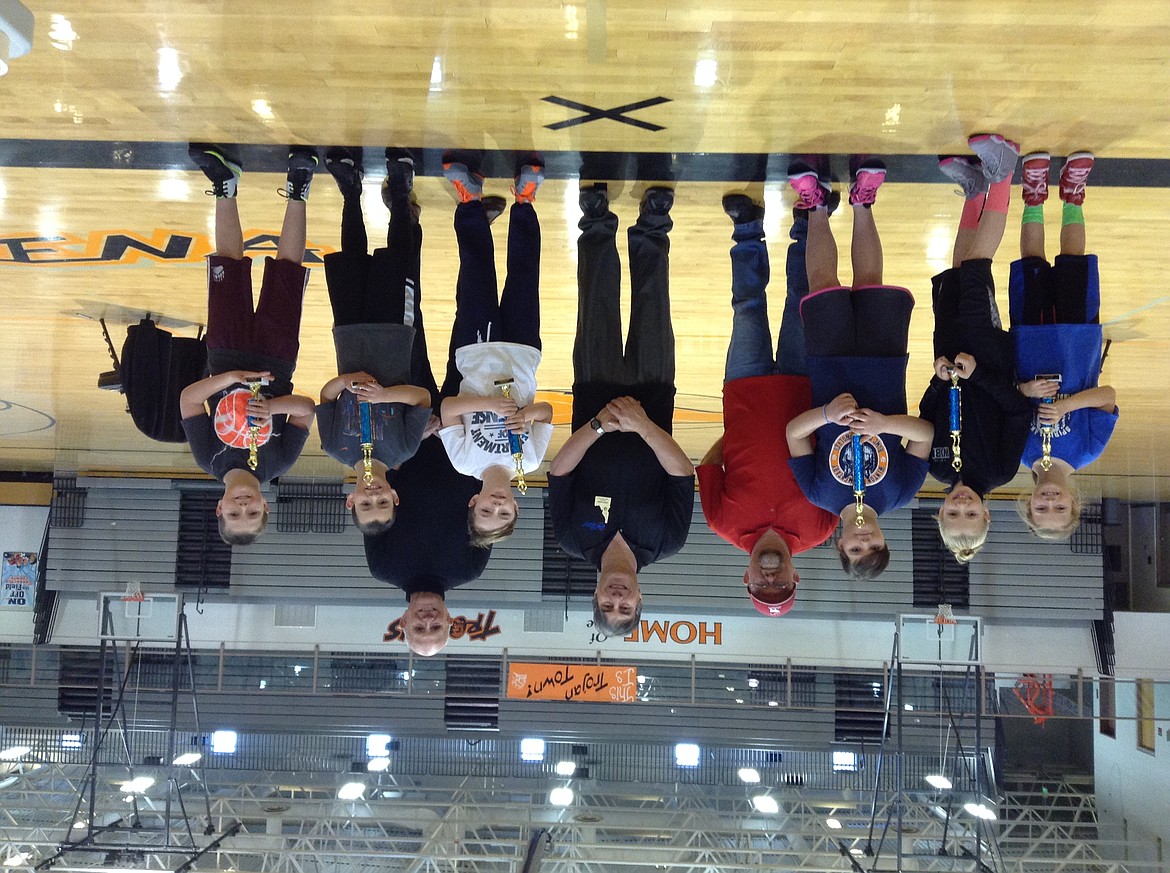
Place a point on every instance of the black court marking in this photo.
(593, 113)
(723, 167)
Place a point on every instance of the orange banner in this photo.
(598, 683)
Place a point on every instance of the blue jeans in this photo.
(750, 351)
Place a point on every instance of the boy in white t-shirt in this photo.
(495, 342)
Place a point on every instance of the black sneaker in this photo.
(742, 209)
(594, 200)
(302, 162)
(656, 201)
(345, 166)
(221, 167)
(400, 168)
(494, 206)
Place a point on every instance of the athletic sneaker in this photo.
(387, 200)
(999, 155)
(468, 185)
(494, 206)
(1034, 173)
(1073, 176)
(656, 201)
(813, 193)
(528, 182)
(742, 209)
(345, 166)
(832, 201)
(866, 181)
(594, 200)
(219, 166)
(302, 161)
(966, 173)
(399, 181)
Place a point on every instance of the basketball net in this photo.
(1034, 691)
(945, 616)
(133, 593)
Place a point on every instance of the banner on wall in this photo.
(596, 683)
(18, 578)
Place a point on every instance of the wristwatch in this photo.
(595, 423)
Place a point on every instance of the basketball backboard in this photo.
(154, 617)
(922, 639)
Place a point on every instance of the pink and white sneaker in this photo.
(809, 188)
(866, 181)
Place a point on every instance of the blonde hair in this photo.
(964, 546)
(1024, 508)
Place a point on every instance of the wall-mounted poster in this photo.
(18, 579)
(602, 683)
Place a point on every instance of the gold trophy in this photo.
(254, 429)
(514, 441)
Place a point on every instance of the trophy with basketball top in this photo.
(237, 427)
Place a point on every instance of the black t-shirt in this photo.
(651, 509)
(426, 549)
(219, 441)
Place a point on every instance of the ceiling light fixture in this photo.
(766, 804)
(224, 742)
(351, 791)
(687, 755)
(980, 810)
(378, 745)
(137, 785)
(566, 768)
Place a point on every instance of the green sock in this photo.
(1033, 214)
(1072, 214)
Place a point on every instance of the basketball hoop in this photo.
(945, 616)
(1034, 691)
(133, 593)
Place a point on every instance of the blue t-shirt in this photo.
(892, 476)
(1074, 352)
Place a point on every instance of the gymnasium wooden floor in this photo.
(98, 115)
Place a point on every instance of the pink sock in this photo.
(972, 209)
(998, 196)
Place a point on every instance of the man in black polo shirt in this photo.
(621, 490)
(426, 553)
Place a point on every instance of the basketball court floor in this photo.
(102, 216)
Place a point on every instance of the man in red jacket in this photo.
(750, 497)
